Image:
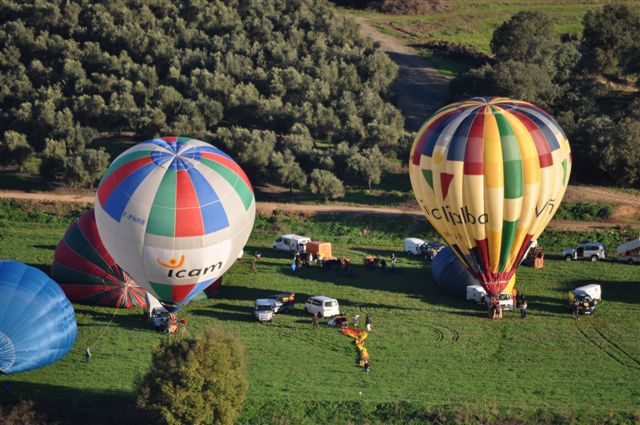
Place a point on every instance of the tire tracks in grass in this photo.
(445, 335)
(601, 341)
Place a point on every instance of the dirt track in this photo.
(269, 207)
(421, 90)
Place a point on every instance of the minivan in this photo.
(326, 306)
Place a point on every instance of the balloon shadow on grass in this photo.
(110, 316)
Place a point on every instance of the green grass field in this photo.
(432, 356)
(472, 23)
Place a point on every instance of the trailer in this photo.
(629, 252)
(320, 250)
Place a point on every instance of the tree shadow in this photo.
(61, 404)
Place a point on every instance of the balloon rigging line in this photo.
(105, 328)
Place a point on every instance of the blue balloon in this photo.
(450, 274)
(37, 321)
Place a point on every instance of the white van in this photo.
(593, 290)
(476, 293)
(291, 243)
(412, 246)
(629, 252)
(156, 313)
(326, 306)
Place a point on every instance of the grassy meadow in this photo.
(433, 357)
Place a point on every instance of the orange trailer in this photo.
(321, 249)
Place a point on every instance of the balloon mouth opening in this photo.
(7, 353)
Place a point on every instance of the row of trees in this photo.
(286, 87)
(590, 84)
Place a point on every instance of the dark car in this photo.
(283, 302)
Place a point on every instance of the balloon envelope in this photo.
(450, 274)
(174, 212)
(489, 174)
(37, 322)
(87, 273)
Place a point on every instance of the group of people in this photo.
(495, 310)
(306, 259)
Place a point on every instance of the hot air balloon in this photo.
(451, 275)
(489, 174)
(37, 322)
(87, 273)
(174, 212)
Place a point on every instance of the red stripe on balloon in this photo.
(424, 136)
(114, 179)
(188, 215)
(542, 146)
(180, 292)
(522, 250)
(170, 139)
(483, 252)
(474, 153)
(71, 259)
(89, 229)
(229, 163)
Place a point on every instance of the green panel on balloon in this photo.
(162, 217)
(162, 290)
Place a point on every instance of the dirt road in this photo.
(269, 207)
(421, 90)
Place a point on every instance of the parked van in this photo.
(156, 313)
(326, 306)
(476, 293)
(291, 243)
(412, 246)
(629, 252)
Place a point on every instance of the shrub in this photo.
(14, 148)
(23, 413)
(195, 380)
(325, 184)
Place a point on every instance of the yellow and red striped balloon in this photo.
(489, 174)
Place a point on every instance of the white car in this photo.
(326, 306)
(264, 309)
(291, 243)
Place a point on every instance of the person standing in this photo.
(366, 367)
(356, 320)
(368, 322)
(523, 310)
(393, 260)
(314, 321)
(253, 266)
(87, 355)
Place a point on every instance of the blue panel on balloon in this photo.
(449, 273)
(37, 321)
